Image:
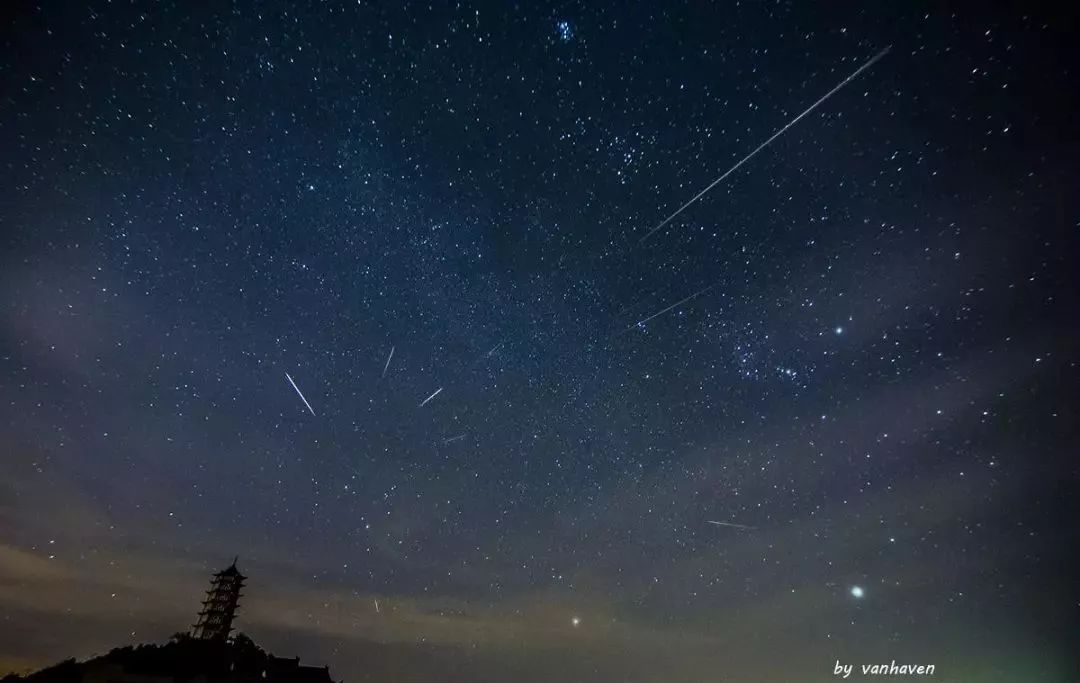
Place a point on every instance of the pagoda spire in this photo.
(219, 607)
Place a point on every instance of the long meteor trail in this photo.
(674, 305)
(731, 524)
(765, 144)
(299, 393)
(431, 397)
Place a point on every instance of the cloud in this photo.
(18, 566)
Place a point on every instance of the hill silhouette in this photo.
(182, 659)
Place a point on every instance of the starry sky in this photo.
(864, 364)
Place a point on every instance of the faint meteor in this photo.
(299, 393)
(493, 350)
(731, 524)
(431, 397)
(376, 605)
(765, 144)
(674, 305)
(388, 361)
(459, 437)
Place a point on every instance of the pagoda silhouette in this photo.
(209, 653)
(219, 607)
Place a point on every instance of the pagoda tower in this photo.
(219, 607)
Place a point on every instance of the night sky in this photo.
(870, 381)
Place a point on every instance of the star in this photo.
(857, 592)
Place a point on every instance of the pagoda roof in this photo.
(231, 570)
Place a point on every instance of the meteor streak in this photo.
(765, 144)
(674, 305)
(731, 524)
(431, 397)
(299, 393)
(388, 361)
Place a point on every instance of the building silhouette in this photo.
(219, 607)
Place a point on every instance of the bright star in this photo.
(856, 592)
(575, 621)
